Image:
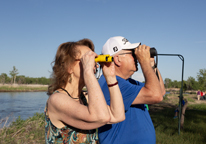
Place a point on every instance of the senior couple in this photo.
(114, 110)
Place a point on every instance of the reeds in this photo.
(26, 131)
(5, 122)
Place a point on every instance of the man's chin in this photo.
(136, 66)
(136, 69)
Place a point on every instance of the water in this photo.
(23, 104)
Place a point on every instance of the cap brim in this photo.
(132, 46)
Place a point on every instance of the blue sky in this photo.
(31, 31)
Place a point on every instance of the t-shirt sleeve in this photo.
(129, 91)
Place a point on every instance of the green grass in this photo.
(200, 107)
(166, 97)
(21, 88)
(31, 130)
(190, 100)
(194, 131)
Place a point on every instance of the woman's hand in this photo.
(108, 69)
(88, 61)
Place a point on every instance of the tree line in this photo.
(21, 79)
(189, 84)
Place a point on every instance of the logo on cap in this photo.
(115, 49)
(124, 40)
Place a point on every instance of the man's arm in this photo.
(160, 81)
(153, 90)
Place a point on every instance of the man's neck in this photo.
(121, 74)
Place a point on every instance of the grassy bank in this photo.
(27, 131)
(194, 132)
(23, 88)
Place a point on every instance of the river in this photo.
(23, 104)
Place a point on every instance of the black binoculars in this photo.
(153, 52)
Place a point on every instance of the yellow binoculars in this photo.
(104, 58)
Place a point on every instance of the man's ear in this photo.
(117, 60)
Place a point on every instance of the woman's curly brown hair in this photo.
(65, 57)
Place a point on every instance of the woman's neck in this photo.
(74, 89)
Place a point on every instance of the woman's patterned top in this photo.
(68, 134)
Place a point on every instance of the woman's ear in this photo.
(70, 70)
(117, 60)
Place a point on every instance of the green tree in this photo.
(3, 78)
(184, 85)
(28, 80)
(13, 74)
(176, 84)
(167, 82)
(44, 80)
(201, 77)
(20, 79)
(191, 83)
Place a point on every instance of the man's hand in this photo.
(143, 54)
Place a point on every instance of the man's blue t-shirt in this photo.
(137, 128)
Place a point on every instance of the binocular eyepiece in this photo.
(153, 52)
(108, 58)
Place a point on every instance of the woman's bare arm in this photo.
(116, 107)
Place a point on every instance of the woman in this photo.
(198, 94)
(70, 117)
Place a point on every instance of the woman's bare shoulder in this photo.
(57, 98)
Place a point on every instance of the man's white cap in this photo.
(117, 43)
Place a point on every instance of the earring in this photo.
(70, 79)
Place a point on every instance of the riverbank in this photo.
(23, 87)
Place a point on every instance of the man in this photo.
(137, 127)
